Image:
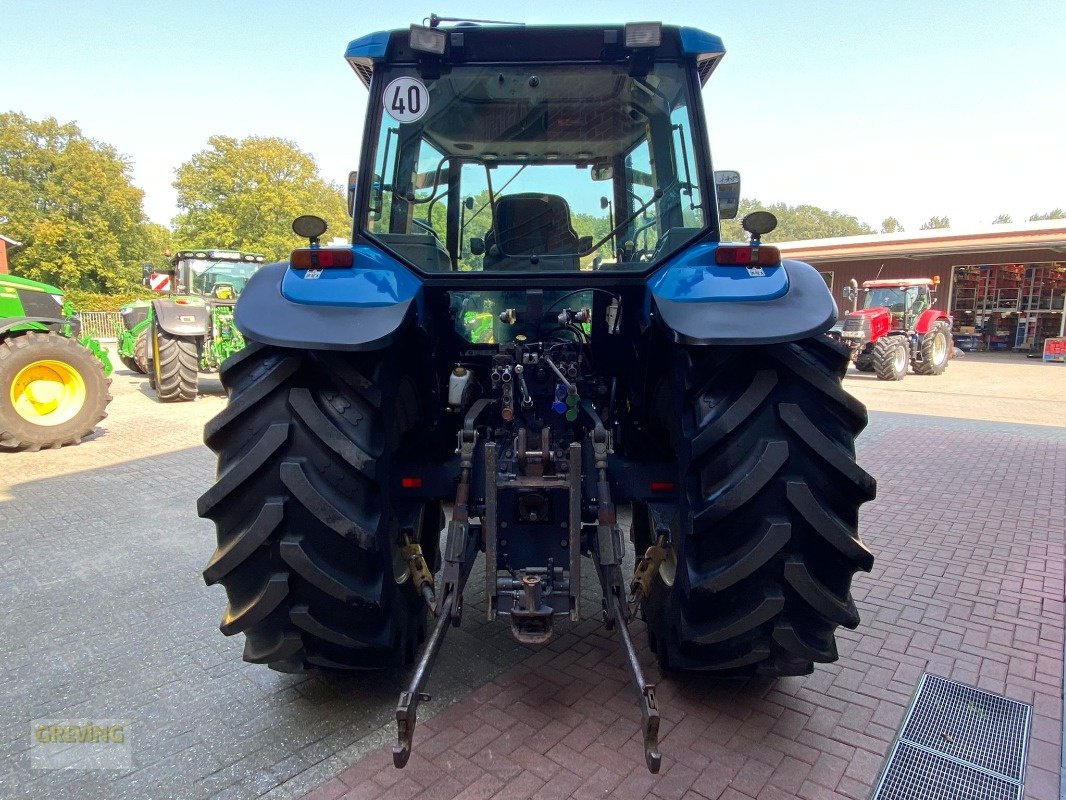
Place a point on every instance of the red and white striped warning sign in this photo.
(159, 281)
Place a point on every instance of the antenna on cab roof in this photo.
(434, 21)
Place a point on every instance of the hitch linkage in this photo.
(607, 552)
(461, 546)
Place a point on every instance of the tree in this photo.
(1002, 219)
(935, 223)
(244, 195)
(70, 200)
(796, 223)
(1055, 213)
(891, 225)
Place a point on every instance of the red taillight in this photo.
(744, 255)
(321, 258)
(662, 486)
(411, 483)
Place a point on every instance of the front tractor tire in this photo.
(890, 358)
(175, 366)
(308, 535)
(53, 391)
(766, 542)
(936, 350)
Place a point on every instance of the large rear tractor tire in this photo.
(309, 531)
(759, 573)
(176, 366)
(53, 391)
(890, 358)
(936, 350)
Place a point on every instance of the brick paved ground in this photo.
(970, 586)
(106, 616)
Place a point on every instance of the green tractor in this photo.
(53, 381)
(192, 331)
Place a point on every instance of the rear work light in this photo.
(743, 255)
(321, 258)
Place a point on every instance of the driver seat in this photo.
(527, 225)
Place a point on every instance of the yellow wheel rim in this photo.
(48, 393)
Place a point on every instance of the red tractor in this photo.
(897, 325)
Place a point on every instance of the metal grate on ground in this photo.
(917, 774)
(957, 742)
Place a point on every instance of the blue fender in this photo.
(701, 302)
(359, 308)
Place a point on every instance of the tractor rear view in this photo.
(898, 327)
(192, 331)
(536, 322)
(53, 381)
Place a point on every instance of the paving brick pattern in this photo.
(968, 530)
(106, 616)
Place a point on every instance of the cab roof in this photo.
(477, 44)
(896, 283)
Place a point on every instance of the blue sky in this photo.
(872, 108)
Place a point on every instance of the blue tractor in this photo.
(536, 324)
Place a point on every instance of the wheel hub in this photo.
(940, 348)
(901, 358)
(48, 393)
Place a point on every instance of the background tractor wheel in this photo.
(308, 532)
(936, 349)
(175, 366)
(864, 363)
(890, 358)
(766, 543)
(52, 391)
(140, 353)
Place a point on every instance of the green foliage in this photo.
(1055, 213)
(70, 200)
(936, 223)
(796, 223)
(891, 225)
(1002, 219)
(81, 300)
(244, 195)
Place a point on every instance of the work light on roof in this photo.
(644, 34)
(428, 40)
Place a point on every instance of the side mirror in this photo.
(353, 177)
(727, 186)
(469, 203)
(477, 246)
(604, 203)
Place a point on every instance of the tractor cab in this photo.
(904, 300)
(218, 276)
(584, 155)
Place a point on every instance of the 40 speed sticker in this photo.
(406, 99)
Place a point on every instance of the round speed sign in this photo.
(406, 99)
